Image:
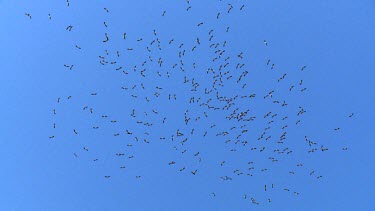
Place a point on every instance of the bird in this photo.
(106, 38)
(28, 15)
(69, 28)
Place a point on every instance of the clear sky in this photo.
(47, 168)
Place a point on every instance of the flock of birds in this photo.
(183, 100)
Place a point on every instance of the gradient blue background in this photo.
(335, 39)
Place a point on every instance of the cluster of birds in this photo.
(187, 101)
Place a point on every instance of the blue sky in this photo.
(335, 41)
